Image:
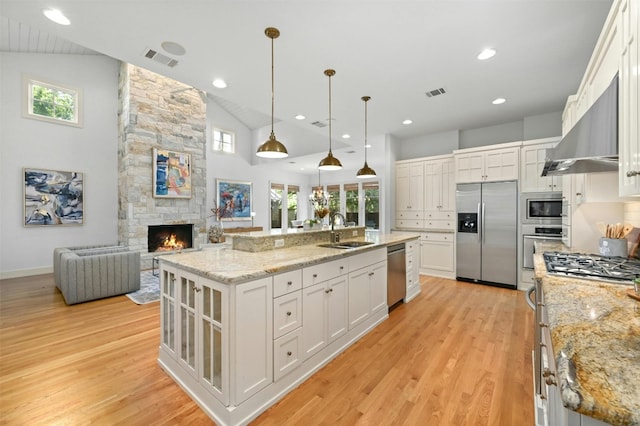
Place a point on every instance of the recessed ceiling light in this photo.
(407, 121)
(219, 83)
(173, 48)
(56, 16)
(346, 136)
(486, 54)
(499, 101)
(300, 117)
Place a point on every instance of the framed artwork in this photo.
(53, 197)
(171, 174)
(234, 198)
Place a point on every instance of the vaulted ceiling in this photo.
(392, 50)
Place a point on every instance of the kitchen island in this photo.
(595, 335)
(240, 329)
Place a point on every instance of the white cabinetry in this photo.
(367, 285)
(484, 165)
(532, 159)
(287, 323)
(439, 192)
(409, 194)
(437, 254)
(629, 99)
(412, 260)
(193, 329)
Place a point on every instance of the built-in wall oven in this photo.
(535, 233)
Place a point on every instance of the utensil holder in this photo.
(613, 247)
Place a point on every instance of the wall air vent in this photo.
(319, 124)
(436, 92)
(160, 58)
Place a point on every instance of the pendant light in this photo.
(330, 162)
(272, 148)
(365, 171)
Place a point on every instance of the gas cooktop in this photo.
(591, 266)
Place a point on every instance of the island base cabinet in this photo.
(287, 353)
(324, 314)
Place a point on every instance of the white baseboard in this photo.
(4, 275)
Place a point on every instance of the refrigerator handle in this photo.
(482, 224)
(480, 230)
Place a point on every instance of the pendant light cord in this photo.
(272, 86)
(365, 131)
(330, 115)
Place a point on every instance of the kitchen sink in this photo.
(346, 244)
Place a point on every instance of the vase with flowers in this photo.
(216, 231)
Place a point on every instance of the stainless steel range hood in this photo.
(592, 144)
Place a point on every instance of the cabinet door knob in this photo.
(328, 291)
(288, 353)
(371, 274)
(289, 313)
(289, 283)
(315, 275)
(632, 173)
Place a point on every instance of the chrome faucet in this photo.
(335, 236)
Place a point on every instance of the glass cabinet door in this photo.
(168, 295)
(188, 291)
(211, 318)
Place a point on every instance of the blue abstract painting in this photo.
(53, 197)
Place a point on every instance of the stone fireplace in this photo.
(158, 112)
(168, 238)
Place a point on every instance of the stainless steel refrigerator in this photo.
(487, 237)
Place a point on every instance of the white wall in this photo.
(428, 145)
(91, 149)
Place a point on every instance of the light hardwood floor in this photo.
(458, 354)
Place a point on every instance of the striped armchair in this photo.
(86, 273)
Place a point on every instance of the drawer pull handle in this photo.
(289, 353)
(632, 173)
(315, 275)
(371, 274)
(289, 313)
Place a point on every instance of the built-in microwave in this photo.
(542, 208)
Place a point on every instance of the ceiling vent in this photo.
(319, 124)
(436, 92)
(160, 58)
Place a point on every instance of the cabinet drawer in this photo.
(410, 214)
(439, 224)
(287, 351)
(324, 271)
(287, 313)
(433, 215)
(287, 282)
(410, 224)
(365, 259)
(438, 236)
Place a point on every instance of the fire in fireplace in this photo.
(169, 237)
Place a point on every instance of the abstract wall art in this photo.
(53, 197)
(235, 199)
(171, 174)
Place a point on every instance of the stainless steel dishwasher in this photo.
(396, 275)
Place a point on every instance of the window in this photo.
(51, 102)
(276, 205)
(371, 205)
(334, 198)
(224, 141)
(292, 202)
(351, 198)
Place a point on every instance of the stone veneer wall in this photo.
(157, 112)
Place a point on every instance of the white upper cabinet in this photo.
(410, 194)
(501, 162)
(532, 159)
(439, 192)
(629, 100)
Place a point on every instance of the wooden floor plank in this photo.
(458, 354)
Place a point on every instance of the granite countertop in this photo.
(225, 265)
(595, 332)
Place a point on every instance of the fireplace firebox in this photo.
(169, 237)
